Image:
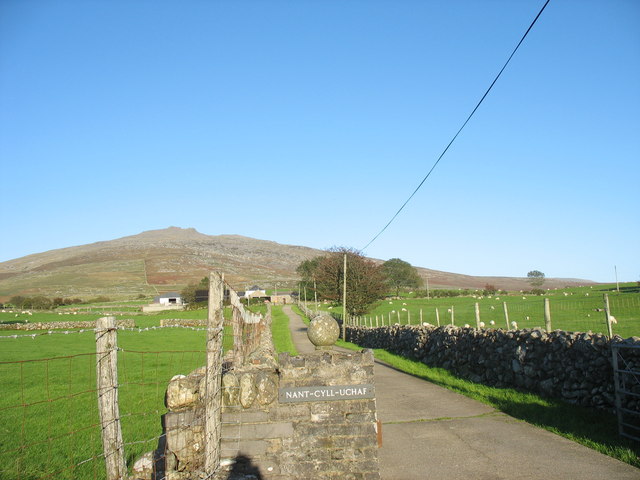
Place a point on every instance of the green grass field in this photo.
(575, 311)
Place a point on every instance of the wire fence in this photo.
(574, 314)
(53, 426)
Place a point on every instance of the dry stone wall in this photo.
(126, 323)
(575, 367)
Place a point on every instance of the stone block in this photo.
(267, 430)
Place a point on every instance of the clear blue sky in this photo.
(310, 123)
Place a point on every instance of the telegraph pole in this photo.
(344, 300)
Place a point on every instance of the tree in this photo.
(399, 273)
(535, 278)
(307, 272)
(365, 282)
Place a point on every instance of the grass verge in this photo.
(590, 427)
(280, 331)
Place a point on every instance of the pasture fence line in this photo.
(603, 316)
(93, 413)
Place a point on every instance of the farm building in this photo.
(171, 298)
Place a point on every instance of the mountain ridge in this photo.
(167, 259)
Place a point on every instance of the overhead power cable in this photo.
(460, 129)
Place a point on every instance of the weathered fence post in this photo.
(547, 315)
(437, 316)
(213, 397)
(607, 314)
(421, 317)
(506, 314)
(107, 384)
(477, 308)
(453, 318)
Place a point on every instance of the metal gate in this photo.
(626, 377)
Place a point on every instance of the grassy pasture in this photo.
(49, 405)
(575, 311)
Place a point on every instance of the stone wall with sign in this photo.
(321, 426)
(302, 417)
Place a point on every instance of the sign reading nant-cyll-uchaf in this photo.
(326, 393)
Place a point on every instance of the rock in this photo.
(323, 331)
(182, 392)
(230, 390)
(247, 390)
(143, 468)
(267, 389)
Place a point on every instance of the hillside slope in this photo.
(167, 259)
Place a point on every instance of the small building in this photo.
(171, 298)
(255, 292)
(166, 301)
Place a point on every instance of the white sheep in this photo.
(481, 324)
(404, 309)
(466, 325)
(492, 323)
(514, 325)
(492, 307)
(524, 298)
(612, 319)
(390, 303)
(404, 304)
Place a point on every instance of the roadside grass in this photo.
(592, 428)
(280, 331)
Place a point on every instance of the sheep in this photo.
(466, 325)
(524, 298)
(390, 303)
(404, 304)
(481, 324)
(492, 307)
(514, 325)
(404, 309)
(492, 323)
(612, 319)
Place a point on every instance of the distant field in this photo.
(575, 311)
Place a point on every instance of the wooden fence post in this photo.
(547, 315)
(607, 314)
(506, 314)
(477, 308)
(213, 397)
(107, 384)
(453, 318)
(421, 317)
(437, 316)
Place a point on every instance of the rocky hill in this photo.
(164, 260)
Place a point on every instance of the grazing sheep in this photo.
(466, 325)
(481, 324)
(492, 307)
(404, 304)
(492, 323)
(612, 319)
(404, 309)
(390, 303)
(527, 318)
(524, 298)
(514, 325)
